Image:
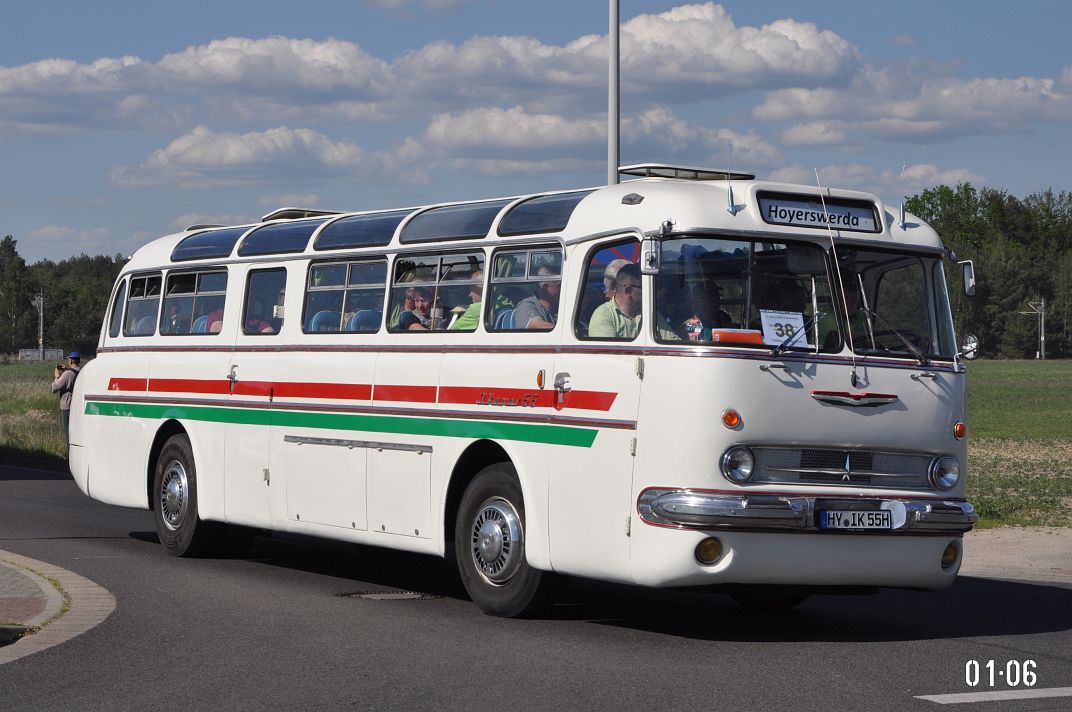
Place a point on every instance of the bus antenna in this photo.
(841, 282)
(900, 190)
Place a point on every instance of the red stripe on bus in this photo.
(126, 384)
(413, 394)
(334, 391)
(189, 385)
(583, 400)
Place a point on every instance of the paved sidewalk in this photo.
(42, 605)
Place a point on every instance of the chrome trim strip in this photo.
(351, 444)
(688, 509)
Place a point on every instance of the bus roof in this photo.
(693, 199)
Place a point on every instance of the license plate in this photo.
(833, 519)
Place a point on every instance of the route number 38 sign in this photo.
(780, 325)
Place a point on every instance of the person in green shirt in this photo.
(619, 316)
(471, 316)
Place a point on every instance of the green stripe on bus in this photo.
(442, 427)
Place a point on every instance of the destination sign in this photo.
(810, 212)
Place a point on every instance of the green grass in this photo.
(30, 430)
(1020, 442)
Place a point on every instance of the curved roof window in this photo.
(453, 222)
(209, 244)
(373, 230)
(279, 238)
(549, 213)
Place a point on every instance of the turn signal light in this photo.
(731, 418)
(709, 550)
(960, 430)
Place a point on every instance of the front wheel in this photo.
(489, 541)
(180, 529)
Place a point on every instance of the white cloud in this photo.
(490, 130)
(57, 242)
(302, 200)
(204, 158)
(689, 53)
(909, 103)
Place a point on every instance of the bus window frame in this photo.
(119, 299)
(345, 288)
(197, 272)
(438, 255)
(159, 297)
(245, 302)
(528, 250)
(612, 241)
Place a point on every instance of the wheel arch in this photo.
(475, 458)
(166, 430)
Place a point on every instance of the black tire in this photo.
(489, 543)
(770, 599)
(180, 529)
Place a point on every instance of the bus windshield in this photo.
(744, 292)
(781, 295)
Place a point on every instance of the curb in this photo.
(88, 605)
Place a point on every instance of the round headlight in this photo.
(945, 473)
(737, 464)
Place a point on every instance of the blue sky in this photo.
(123, 121)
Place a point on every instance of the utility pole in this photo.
(39, 302)
(1039, 308)
(613, 98)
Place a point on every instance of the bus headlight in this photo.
(737, 464)
(945, 472)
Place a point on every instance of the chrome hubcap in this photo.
(497, 541)
(174, 495)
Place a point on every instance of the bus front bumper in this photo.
(693, 509)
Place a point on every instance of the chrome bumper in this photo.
(704, 510)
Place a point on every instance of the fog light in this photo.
(949, 556)
(709, 550)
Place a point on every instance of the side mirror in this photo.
(969, 277)
(970, 348)
(650, 249)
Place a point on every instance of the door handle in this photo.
(562, 386)
(232, 377)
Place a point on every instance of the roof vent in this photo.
(661, 170)
(295, 213)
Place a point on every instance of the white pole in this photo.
(613, 101)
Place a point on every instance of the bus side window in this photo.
(116, 324)
(143, 305)
(346, 296)
(433, 292)
(610, 303)
(265, 292)
(193, 303)
(524, 290)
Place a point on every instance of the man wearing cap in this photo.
(63, 383)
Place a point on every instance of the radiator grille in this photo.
(842, 467)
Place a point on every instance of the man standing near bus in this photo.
(63, 383)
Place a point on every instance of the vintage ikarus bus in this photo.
(690, 379)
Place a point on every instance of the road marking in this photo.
(961, 697)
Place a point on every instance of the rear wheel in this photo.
(180, 529)
(489, 541)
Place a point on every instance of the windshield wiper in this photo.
(920, 356)
(781, 348)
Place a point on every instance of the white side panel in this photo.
(399, 493)
(325, 484)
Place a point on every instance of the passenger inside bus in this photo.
(468, 319)
(619, 317)
(423, 316)
(707, 313)
(540, 311)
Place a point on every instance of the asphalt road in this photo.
(276, 629)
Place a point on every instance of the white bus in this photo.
(693, 378)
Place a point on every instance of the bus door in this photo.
(250, 376)
(320, 428)
(597, 381)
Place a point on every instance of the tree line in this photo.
(1022, 250)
